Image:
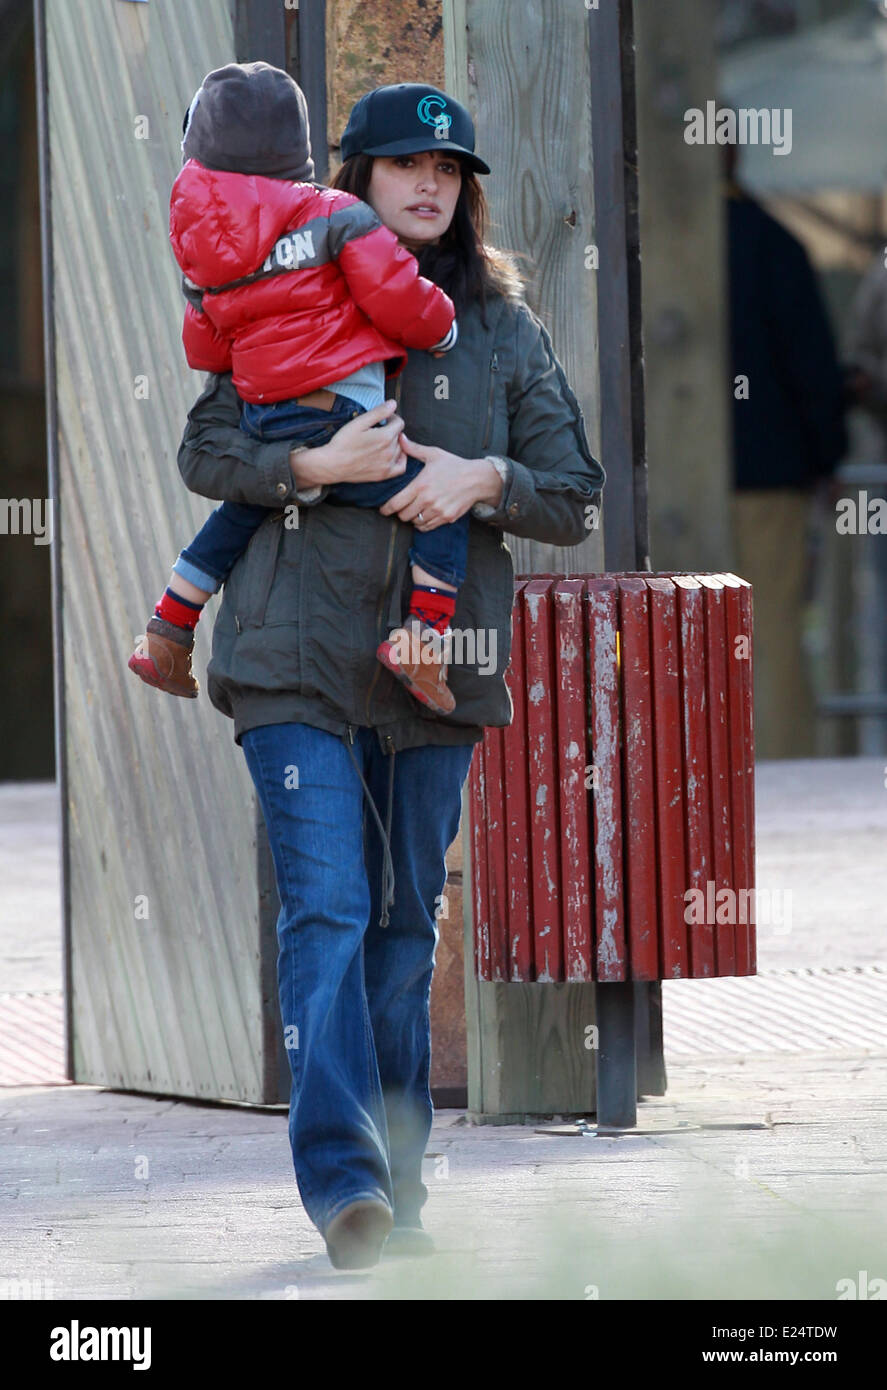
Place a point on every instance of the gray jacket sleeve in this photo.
(552, 474)
(216, 459)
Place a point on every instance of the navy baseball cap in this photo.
(407, 118)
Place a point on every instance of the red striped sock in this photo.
(433, 607)
(181, 612)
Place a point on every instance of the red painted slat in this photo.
(541, 686)
(746, 608)
(479, 891)
(517, 817)
(642, 915)
(665, 645)
(719, 784)
(573, 756)
(610, 958)
(496, 872)
(738, 647)
(694, 735)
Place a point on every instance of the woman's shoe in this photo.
(409, 1240)
(355, 1236)
(163, 661)
(415, 655)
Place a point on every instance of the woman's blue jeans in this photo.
(353, 995)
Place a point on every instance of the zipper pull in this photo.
(350, 733)
(390, 742)
(495, 362)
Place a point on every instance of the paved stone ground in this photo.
(772, 1183)
(778, 1193)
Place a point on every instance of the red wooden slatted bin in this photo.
(624, 784)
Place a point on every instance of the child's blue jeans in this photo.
(211, 556)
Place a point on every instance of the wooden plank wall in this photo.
(165, 975)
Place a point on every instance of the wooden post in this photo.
(631, 1015)
(551, 89)
(523, 70)
(259, 32)
(294, 40)
(685, 292)
(306, 61)
(165, 982)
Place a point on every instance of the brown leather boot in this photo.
(416, 656)
(164, 662)
(355, 1236)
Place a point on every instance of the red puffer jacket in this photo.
(322, 287)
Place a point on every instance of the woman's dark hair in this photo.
(460, 263)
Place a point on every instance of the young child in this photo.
(302, 293)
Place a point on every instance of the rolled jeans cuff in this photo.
(211, 582)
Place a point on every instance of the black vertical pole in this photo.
(651, 1079)
(295, 40)
(260, 32)
(614, 158)
(49, 357)
(630, 1055)
(260, 36)
(617, 1078)
(308, 67)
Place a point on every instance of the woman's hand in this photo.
(357, 453)
(446, 489)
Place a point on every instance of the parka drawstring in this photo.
(385, 831)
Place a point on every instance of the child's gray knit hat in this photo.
(250, 118)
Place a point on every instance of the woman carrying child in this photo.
(501, 442)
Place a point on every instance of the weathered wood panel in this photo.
(524, 76)
(672, 871)
(574, 795)
(520, 882)
(684, 293)
(169, 981)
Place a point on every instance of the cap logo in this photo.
(439, 117)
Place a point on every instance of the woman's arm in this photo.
(549, 486)
(218, 460)
(554, 482)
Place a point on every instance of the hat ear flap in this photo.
(189, 114)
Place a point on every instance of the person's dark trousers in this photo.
(442, 552)
(354, 996)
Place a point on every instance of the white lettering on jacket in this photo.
(290, 251)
